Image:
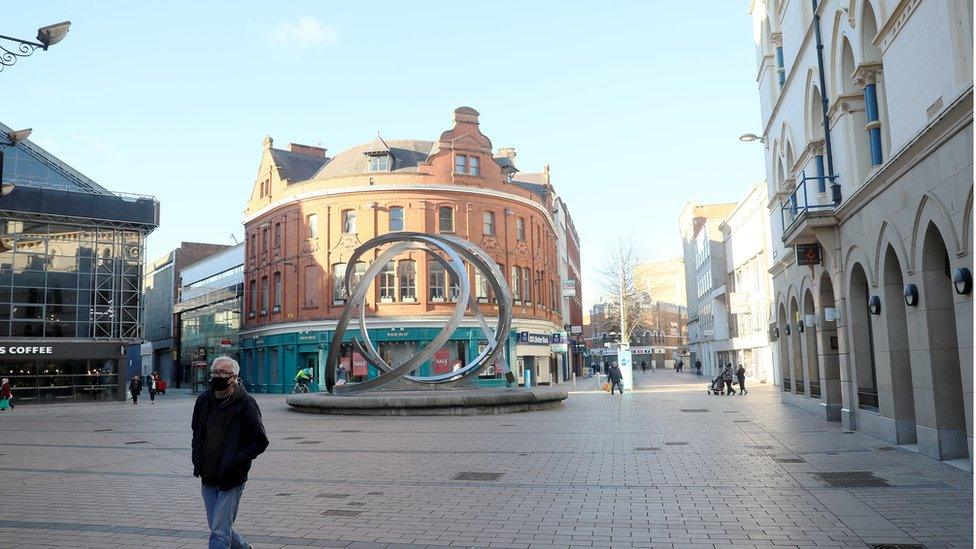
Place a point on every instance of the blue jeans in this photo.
(221, 513)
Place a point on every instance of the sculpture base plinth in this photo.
(430, 403)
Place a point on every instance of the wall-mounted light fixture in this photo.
(874, 305)
(787, 329)
(911, 295)
(962, 279)
(799, 326)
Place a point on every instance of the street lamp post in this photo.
(46, 37)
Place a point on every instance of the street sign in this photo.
(569, 288)
(808, 254)
(576, 330)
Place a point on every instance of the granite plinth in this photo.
(431, 402)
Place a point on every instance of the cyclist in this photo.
(302, 378)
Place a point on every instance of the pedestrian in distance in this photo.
(135, 388)
(151, 385)
(698, 367)
(228, 434)
(6, 395)
(643, 366)
(727, 377)
(616, 379)
(740, 375)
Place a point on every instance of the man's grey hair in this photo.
(235, 367)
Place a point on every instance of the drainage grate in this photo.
(355, 504)
(740, 421)
(761, 447)
(293, 438)
(102, 430)
(310, 442)
(374, 493)
(472, 475)
(885, 448)
(523, 454)
(349, 431)
(508, 425)
(647, 449)
(341, 513)
(790, 460)
(832, 453)
(851, 479)
(896, 546)
(676, 444)
(137, 442)
(332, 495)
(694, 409)
(847, 432)
(283, 494)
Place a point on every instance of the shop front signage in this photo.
(397, 333)
(529, 338)
(442, 361)
(808, 254)
(28, 350)
(359, 366)
(569, 288)
(225, 343)
(576, 330)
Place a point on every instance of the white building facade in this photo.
(745, 233)
(880, 319)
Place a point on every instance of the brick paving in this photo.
(603, 471)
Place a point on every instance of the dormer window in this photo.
(466, 165)
(379, 163)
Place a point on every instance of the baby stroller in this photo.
(717, 386)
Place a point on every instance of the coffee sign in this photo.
(26, 350)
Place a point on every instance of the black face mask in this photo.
(219, 383)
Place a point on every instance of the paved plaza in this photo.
(665, 466)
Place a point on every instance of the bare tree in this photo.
(627, 305)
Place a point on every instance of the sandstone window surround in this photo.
(312, 225)
(396, 219)
(349, 222)
(445, 219)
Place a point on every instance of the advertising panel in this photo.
(442, 361)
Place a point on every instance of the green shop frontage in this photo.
(269, 363)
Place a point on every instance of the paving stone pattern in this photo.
(602, 471)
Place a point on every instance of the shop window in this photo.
(407, 273)
(445, 219)
(349, 221)
(396, 219)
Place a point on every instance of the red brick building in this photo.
(308, 212)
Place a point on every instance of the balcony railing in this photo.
(799, 203)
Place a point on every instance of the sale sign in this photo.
(442, 361)
(359, 366)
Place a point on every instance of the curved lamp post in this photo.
(46, 37)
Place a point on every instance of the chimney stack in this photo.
(465, 114)
(307, 150)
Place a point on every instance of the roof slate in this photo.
(407, 154)
(294, 166)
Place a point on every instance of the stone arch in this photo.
(786, 375)
(811, 350)
(897, 387)
(796, 347)
(862, 351)
(855, 255)
(889, 236)
(867, 20)
(932, 210)
(841, 31)
(967, 220)
(813, 113)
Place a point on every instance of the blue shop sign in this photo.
(533, 339)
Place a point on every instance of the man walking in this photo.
(616, 378)
(698, 367)
(227, 435)
(135, 389)
(740, 375)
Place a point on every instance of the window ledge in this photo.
(408, 300)
(437, 300)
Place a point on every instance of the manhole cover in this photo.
(885, 448)
(310, 442)
(137, 442)
(341, 513)
(895, 546)
(647, 449)
(790, 460)
(355, 504)
(847, 432)
(676, 444)
(694, 409)
(283, 494)
(851, 479)
(102, 430)
(332, 496)
(293, 438)
(349, 431)
(472, 475)
(374, 493)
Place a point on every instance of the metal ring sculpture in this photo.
(457, 251)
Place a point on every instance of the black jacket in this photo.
(135, 386)
(227, 436)
(740, 374)
(615, 374)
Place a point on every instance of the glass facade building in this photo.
(70, 277)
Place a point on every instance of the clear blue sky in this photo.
(637, 106)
